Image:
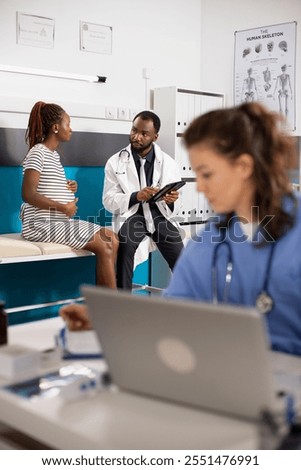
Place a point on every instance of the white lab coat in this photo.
(121, 180)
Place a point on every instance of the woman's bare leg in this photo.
(105, 245)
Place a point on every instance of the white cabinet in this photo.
(295, 173)
(176, 108)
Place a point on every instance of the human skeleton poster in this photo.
(264, 68)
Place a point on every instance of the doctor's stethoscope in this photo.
(123, 160)
(264, 302)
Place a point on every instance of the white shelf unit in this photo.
(295, 173)
(176, 108)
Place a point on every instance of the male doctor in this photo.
(132, 176)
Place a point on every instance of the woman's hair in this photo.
(41, 119)
(250, 128)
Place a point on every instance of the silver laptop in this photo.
(213, 357)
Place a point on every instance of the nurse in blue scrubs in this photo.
(249, 252)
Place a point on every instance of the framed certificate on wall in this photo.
(95, 38)
(36, 31)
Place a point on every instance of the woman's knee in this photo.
(104, 243)
(104, 247)
(106, 234)
(99, 245)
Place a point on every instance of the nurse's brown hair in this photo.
(251, 129)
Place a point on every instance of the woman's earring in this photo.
(56, 131)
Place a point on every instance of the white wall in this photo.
(163, 35)
(221, 18)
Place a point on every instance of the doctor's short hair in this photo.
(252, 129)
(150, 116)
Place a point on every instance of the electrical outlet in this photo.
(132, 113)
(122, 113)
(110, 112)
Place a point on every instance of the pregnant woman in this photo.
(49, 198)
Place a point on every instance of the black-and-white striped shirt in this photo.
(44, 225)
(53, 182)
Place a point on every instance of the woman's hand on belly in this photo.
(70, 208)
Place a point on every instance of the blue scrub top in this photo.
(192, 277)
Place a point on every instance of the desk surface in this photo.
(115, 420)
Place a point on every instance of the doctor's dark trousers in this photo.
(131, 234)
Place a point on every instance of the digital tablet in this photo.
(166, 189)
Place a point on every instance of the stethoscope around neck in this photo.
(264, 301)
(123, 161)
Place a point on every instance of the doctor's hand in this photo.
(147, 192)
(76, 317)
(171, 197)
